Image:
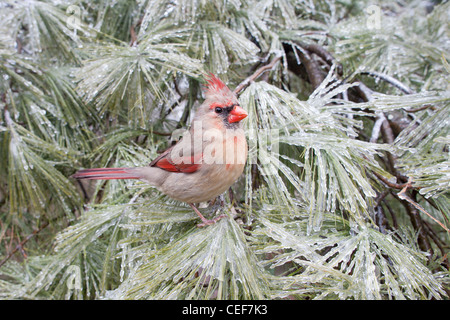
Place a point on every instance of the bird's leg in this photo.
(206, 222)
(218, 203)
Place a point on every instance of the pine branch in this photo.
(390, 80)
(133, 36)
(256, 74)
(315, 75)
(388, 183)
(21, 245)
(402, 195)
(325, 55)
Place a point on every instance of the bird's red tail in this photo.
(105, 174)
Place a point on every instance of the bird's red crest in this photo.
(214, 84)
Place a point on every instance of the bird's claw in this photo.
(208, 222)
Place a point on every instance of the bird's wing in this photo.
(187, 164)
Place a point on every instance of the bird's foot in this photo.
(208, 222)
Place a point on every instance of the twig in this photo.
(439, 243)
(387, 132)
(162, 133)
(19, 45)
(389, 80)
(417, 222)
(21, 244)
(256, 74)
(380, 198)
(364, 92)
(133, 35)
(389, 137)
(310, 59)
(392, 214)
(381, 220)
(312, 68)
(424, 107)
(388, 183)
(402, 195)
(377, 127)
(325, 55)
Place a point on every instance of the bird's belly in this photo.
(203, 185)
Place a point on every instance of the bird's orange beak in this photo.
(237, 114)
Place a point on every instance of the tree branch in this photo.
(388, 183)
(402, 195)
(256, 74)
(390, 80)
(325, 55)
(133, 35)
(312, 68)
(21, 244)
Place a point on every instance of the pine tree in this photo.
(345, 194)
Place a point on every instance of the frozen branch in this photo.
(256, 74)
(22, 243)
(312, 68)
(324, 54)
(390, 80)
(402, 195)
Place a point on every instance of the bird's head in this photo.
(221, 104)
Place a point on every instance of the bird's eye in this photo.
(218, 110)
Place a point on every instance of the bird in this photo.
(205, 162)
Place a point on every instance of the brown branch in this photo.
(381, 219)
(325, 55)
(392, 214)
(256, 74)
(133, 35)
(22, 243)
(19, 45)
(162, 133)
(311, 61)
(387, 132)
(312, 68)
(417, 222)
(388, 183)
(364, 92)
(402, 195)
(424, 107)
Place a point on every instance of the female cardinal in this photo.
(205, 162)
